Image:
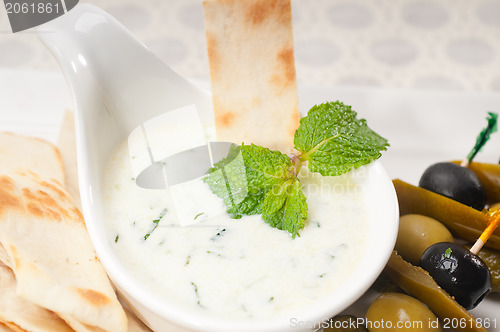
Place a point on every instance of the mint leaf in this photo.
(227, 178)
(285, 207)
(265, 168)
(334, 141)
(246, 175)
(276, 197)
(251, 204)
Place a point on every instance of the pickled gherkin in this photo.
(418, 283)
(463, 221)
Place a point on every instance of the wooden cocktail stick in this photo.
(494, 221)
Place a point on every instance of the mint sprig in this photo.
(246, 175)
(334, 141)
(255, 180)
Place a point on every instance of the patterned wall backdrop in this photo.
(423, 44)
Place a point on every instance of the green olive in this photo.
(396, 311)
(417, 233)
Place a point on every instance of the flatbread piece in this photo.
(252, 70)
(43, 234)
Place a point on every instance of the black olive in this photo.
(455, 182)
(458, 271)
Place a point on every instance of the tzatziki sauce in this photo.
(235, 268)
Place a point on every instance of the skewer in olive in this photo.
(457, 181)
(460, 272)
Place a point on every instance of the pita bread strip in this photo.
(52, 257)
(20, 314)
(251, 57)
(4, 257)
(67, 147)
(47, 243)
(22, 155)
(5, 328)
(9, 327)
(135, 324)
(78, 326)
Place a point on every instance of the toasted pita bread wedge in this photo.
(4, 257)
(46, 241)
(5, 328)
(23, 315)
(22, 155)
(9, 327)
(67, 148)
(135, 324)
(252, 70)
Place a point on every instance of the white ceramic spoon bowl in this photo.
(117, 84)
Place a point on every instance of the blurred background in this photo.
(439, 44)
(424, 72)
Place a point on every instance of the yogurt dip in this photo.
(236, 268)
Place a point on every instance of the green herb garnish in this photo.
(198, 215)
(197, 294)
(447, 253)
(255, 180)
(218, 235)
(334, 141)
(155, 223)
